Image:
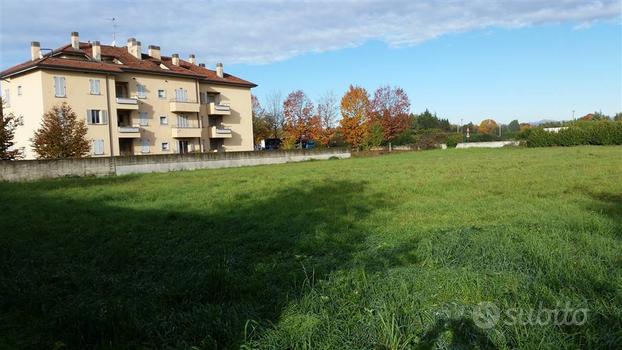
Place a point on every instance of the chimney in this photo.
(154, 51)
(75, 40)
(35, 50)
(220, 70)
(97, 50)
(139, 51)
(175, 59)
(133, 47)
(202, 65)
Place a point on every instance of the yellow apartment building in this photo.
(133, 103)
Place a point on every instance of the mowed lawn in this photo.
(386, 252)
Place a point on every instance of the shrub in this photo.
(454, 139)
(598, 132)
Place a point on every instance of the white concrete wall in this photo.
(27, 170)
(492, 144)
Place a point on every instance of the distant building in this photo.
(557, 129)
(133, 103)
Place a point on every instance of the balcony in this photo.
(126, 132)
(219, 132)
(184, 106)
(130, 103)
(180, 132)
(214, 108)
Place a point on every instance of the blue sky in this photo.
(469, 60)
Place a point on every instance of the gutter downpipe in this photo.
(113, 164)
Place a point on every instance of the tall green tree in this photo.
(261, 126)
(61, 135)
(514, 126)
(8, 124)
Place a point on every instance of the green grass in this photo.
(387, 252)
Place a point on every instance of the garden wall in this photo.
(25, 170)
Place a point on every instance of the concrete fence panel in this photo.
(27, 170)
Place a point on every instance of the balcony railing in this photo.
(219, 108)
(178, 105)
(220, 132)
(124, 129)
(127, 100)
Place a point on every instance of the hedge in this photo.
(602, 132)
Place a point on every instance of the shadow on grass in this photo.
(464, 335)
(95, 273)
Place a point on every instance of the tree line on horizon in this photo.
(370, 120)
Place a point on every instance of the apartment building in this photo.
(134, 103)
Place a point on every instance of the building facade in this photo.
(133, 103)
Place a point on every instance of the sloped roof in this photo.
(130, 63)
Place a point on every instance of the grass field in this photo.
(389, 252)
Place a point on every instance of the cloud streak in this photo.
(268, 31)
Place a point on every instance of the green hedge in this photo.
(602, 132)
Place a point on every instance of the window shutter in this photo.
(143, 121)
(104, 117)
(97, 87)
(57, 86)
(89, 119)
(91, 85)
(63, 89)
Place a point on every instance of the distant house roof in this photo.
(119, 60)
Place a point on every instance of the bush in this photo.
(601, 132)
(453, 140)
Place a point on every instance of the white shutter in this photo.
(145, 146)
(94, 86)
(98, 147)
(7, 96)
(143, 120)
(104, 117)
(177, 94)
(89, 120)
(63, 89)
(140, 90)
(57, 89)
(184, 95)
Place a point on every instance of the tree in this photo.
(427, 121)
(618, 117)
(8, 124)
(61, 135)
(261, 127)
(354, 121)
(488, 126)
(390, 107)
(327, 112)
(300, 120)
(514, 126)
(274, 113)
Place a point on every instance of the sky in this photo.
(463, 59)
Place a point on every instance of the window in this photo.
(181, 95)
(163, 120)
(96, 116)
(98, 147)
(6, 98)
(144, 146)
(94, 86)
(19, 90)
(161, 94)
(140, 91)
(165, 146)
(143, 119)
(182, 121)
(60, 90)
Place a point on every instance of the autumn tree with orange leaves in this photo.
(391, 108)
(355, 116)
(300, 120)
(488, 126)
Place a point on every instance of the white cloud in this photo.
(267, 31)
